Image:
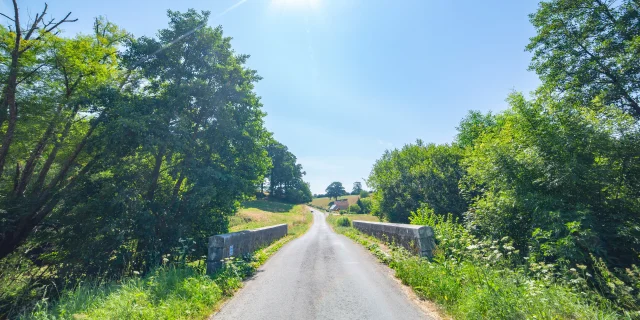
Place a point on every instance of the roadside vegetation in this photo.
(179, 290)
(536, 208)
(119, 156)
(467, 279)
(331, 218)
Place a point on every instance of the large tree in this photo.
(562, 182)
(357, 188)
(335, 190)
(405, 179)
(285, 175)
(59, 87)
(587, 50)
(124, 146)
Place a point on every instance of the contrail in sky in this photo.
(230, 8)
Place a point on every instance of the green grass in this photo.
(166, 293)
(262, 213)
(177, 292)
(270, 206)
(477, 290)
(324, 202)
(361, 217)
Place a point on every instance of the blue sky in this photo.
(346, 79)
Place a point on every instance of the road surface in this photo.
(321, 275)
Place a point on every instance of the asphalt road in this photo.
(321, 275)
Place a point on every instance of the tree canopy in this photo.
(335, 190)
(587, 50)
(285, 176)
(116, 149)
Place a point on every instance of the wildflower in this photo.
(581, 266)
(572, 270)
(589, 275)
(136, 272)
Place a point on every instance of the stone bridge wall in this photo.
(237, 244)
(417, 239)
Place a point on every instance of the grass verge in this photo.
(169, 292)
(478, 290)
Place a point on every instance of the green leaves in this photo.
(404, 179)
(586, 50)
(335, 190)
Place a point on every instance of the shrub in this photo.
(365, 205)
(343, 222)
(485, 278)
(355, 208)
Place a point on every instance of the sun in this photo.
(299, 4)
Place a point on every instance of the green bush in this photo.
(481, 278)
(365, 205)
(355, 208)
(343, 222)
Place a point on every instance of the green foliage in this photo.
(165, 293)
(354, 208)
(357, 188)
(587, 50)
(476, 279)
(473, 126)
(364, 194)
(335, 189)
(418, 173)
(285, 176)
(343, 222)
(364, 204)
(559, 180)
(123, 149)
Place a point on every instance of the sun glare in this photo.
(300, 4)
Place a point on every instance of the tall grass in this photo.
(168, 292)
(483, 284)
(165, 293)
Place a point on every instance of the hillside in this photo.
(324, 202)
(263, 213)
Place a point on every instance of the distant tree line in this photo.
(119, 153)
(336, 189)
(558, 173)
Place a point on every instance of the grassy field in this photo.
(177, 291)
(324, 202)
(361, 217)
(262, 213)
